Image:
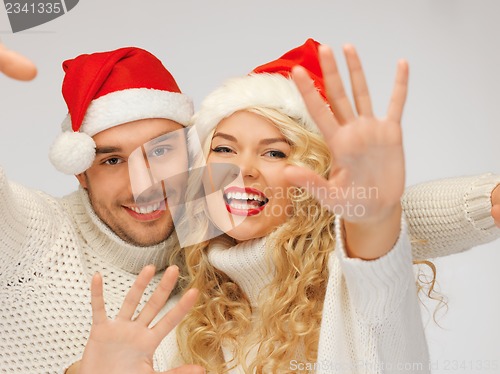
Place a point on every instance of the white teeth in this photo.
(146, 209)
(241, 206)
(244, 196)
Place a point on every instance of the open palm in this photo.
(367, 171)
(126, 344)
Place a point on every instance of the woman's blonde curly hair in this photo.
(298, 250)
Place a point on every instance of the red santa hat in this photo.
(269, 86)
(107, 89)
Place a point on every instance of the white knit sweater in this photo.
(50, 247)
(450, 215)
(49, 250)
(371, 319)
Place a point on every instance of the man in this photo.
(49, 248)
(117, 101)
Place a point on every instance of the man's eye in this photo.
(113, 161)
(159, 151)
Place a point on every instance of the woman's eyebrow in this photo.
(225, 136)
(263, 141)
(273, 140)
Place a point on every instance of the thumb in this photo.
(319, 187)
(305, 178)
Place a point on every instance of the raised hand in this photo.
(126, 344)
(15, 65)
(366, 180)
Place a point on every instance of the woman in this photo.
(284, 248)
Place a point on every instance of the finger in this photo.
(135, 293)
(317, 107)
(186, 369)
(495, 213)
(173, 317)
(160, 296)
(15, 65)
(358, 82)
(313, 183)
(337, 97)
(97, 300)
(399, 92)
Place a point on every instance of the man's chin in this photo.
(146, 239)
(144, 242)
(140, 234)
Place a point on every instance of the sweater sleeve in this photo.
(451, 215)
(25, 214)
(13, 224)
(371, 317)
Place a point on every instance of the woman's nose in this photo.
(248, 166)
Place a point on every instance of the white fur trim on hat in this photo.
(256, 90)
(72, 152)
(133, 104)
(113, 109)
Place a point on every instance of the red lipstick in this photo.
(244, 201)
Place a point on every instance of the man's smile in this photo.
(146, 212)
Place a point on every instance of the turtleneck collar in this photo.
(245, 263)
(104, 243)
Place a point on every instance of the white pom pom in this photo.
(72, 152)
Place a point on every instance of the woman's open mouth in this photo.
(244, 201)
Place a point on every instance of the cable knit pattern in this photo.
(371, 317)
(107, 245)
(450, 215)
(49, 249)
(244, 264)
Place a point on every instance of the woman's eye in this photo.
(276, 154)
(113, 161)
(222, 149)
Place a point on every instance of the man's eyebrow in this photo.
(171, 135)
(103, 150)
(154, 140)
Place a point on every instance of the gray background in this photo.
(450, 123)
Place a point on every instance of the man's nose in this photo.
(141, 178)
